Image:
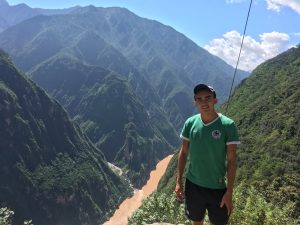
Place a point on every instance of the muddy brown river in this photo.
(129, 205)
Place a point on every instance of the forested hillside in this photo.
(50, 171)
(111, 114)
(266, 109)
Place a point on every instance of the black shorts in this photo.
(199, 199)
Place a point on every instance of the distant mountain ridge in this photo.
(166, 58)
(159, 64)
(12, 15)
(50, 171)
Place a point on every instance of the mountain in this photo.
(50, 63)
(50, 171)
(158, 66)
(169, 61)
(110, 113)
(12, 15)
(266, 109)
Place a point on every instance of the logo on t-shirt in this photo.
(216, 134)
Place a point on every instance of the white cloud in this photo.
(276, 5)
(253, 52)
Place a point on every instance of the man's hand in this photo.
(227, 201)
(179, 191)
(182, 158)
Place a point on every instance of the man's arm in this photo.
(182, 158)
(231, 171)
(231, 166)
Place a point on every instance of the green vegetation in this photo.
(111, 115)
(251, 208)
(159, 207)
(6, 217)
(266, 109)
(50, 171)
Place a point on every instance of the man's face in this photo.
(205, 102)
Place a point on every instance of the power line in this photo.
(238, 60)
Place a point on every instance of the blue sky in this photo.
(216, 25)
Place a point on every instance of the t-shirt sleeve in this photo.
(232, 135)
(185, 133)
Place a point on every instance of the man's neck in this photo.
(209, 117)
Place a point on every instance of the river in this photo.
(129, 205)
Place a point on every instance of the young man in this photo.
(210, 139)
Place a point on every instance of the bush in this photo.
(159, 207)
(6, 217)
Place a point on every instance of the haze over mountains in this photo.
(158, 65)
(11, 15)
(157, 51)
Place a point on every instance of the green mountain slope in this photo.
(266, 109)
(49, 170)
(110, 113)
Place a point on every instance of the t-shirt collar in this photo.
(207, 124)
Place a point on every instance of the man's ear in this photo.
(194, 102)
(215, 100)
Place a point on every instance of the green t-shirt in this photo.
(207, 151)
